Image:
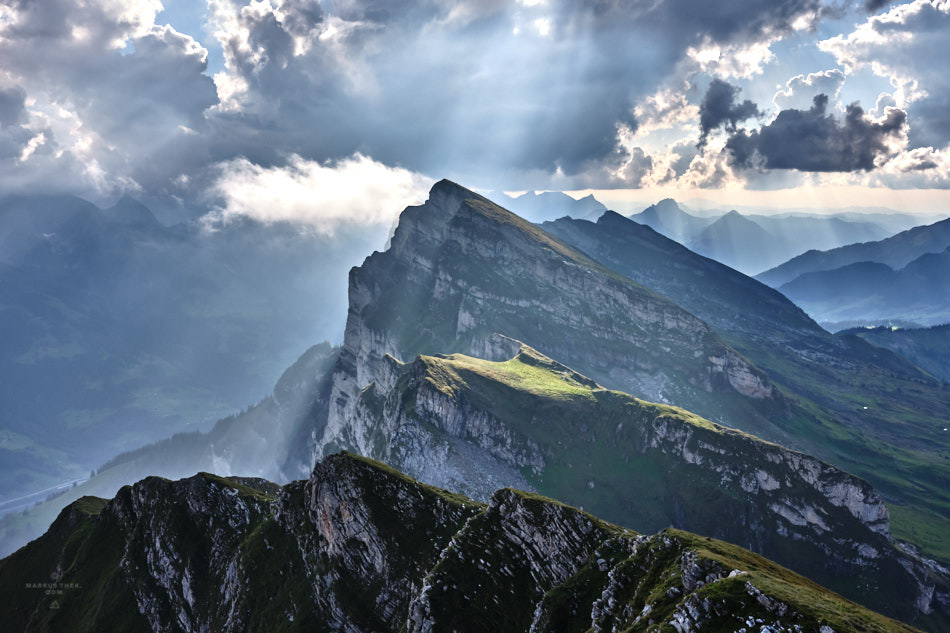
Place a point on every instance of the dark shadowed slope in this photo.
(928, 348)
(359, 547)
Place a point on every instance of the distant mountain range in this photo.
(752, 243)
(549, 205)
(873, 292)
(901, 279)
(118, 331)
(896, 252)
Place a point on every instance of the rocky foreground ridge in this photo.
(360, 547)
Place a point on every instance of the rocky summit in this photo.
(360, 547)
(459, 269)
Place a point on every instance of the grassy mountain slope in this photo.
(861, 408)
(460, 269)
(928, 348)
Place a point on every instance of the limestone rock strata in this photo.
(459, 268)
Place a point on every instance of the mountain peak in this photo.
(612, 217)
(665, 207)
(129, 211)
(446, 186)
(667, 218)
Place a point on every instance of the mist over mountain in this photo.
(549, 205)
(872, 292)
(751, 242)
(667, 218)
(120, 331)
(896, 252)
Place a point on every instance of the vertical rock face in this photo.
(460, 269)
(362, 548)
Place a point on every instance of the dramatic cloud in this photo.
(356, 191)
(906, 45)
(721, 108)
(97, 98)
(108, 90)
(800, 91)
(813, 140)
(495, 93)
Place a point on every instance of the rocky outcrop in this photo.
(459, 269)
(362, 548)
(470, 425)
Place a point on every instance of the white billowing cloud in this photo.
(923, 167)
(742, 61)
(800, 90)
(356, 191)
(109, 94)
(667, 108)
(905, 45)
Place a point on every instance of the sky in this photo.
(338, 112)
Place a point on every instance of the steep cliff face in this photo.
(459, 268)
(468, 424)
(359, 548)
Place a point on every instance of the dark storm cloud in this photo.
(691, 22)
(812, 140)
(720, 107)
(872, 6)
(12, 106)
